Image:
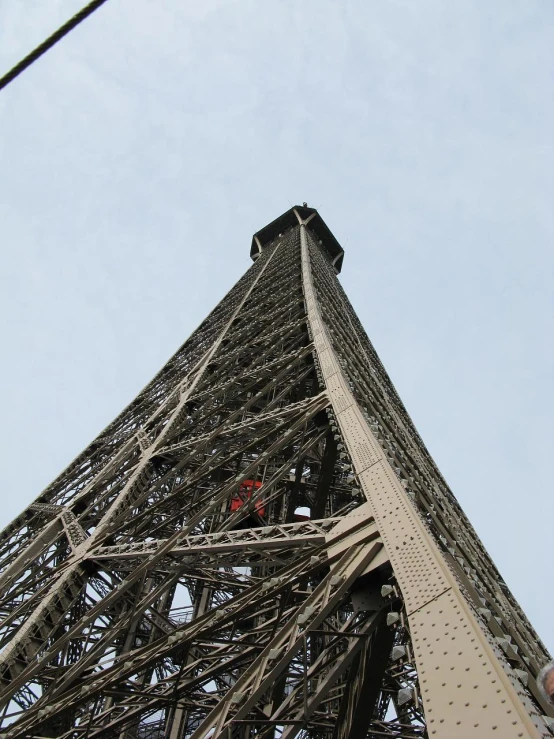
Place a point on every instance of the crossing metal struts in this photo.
(260, 545)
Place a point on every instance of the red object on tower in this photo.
(244, 493)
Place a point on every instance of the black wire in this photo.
(49, 42)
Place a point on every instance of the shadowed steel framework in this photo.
(260, 545)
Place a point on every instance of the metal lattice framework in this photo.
(261, 545)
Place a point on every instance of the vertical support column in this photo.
(359, 701)
(465, 689)
(325, 476)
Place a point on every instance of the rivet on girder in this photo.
(522, 675)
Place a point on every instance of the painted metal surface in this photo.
(347, 596)
(465, 689)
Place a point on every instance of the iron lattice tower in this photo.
(261, 545)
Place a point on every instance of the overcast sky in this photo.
(138, 157)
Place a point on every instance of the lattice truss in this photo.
(260, 545)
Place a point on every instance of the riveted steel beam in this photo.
(452, 671)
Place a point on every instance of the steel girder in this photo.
(261, 545)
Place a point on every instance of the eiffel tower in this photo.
(260, 545)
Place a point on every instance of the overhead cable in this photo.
(50, 42)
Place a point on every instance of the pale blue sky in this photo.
(138, 157)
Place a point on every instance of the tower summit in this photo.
(318, 228)
(260, 545)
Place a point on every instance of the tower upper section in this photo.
(289, 219)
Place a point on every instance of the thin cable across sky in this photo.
(48, 43)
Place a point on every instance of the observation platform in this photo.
(287, 220)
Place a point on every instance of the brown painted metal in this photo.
(452, 673)
(143, 595)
